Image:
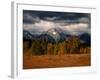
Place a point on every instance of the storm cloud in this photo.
(37, 22)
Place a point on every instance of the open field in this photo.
(53, 61)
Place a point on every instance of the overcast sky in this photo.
(37, 22)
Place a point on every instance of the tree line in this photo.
(43, 47)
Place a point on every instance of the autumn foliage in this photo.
(42, 47)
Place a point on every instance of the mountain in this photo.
(27, 35)
(46, 37)
(85, 37)
(64, 36)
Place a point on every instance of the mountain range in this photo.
(85, 37)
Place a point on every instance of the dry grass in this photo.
(53, 61)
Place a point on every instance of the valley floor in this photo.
(53, 61)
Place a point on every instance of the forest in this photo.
(42, 47)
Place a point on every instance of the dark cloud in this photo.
(39, 21)
(54, 16)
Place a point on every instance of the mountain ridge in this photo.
(45, 36)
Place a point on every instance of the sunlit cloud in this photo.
(46, 25)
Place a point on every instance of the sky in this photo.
(37, 22)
